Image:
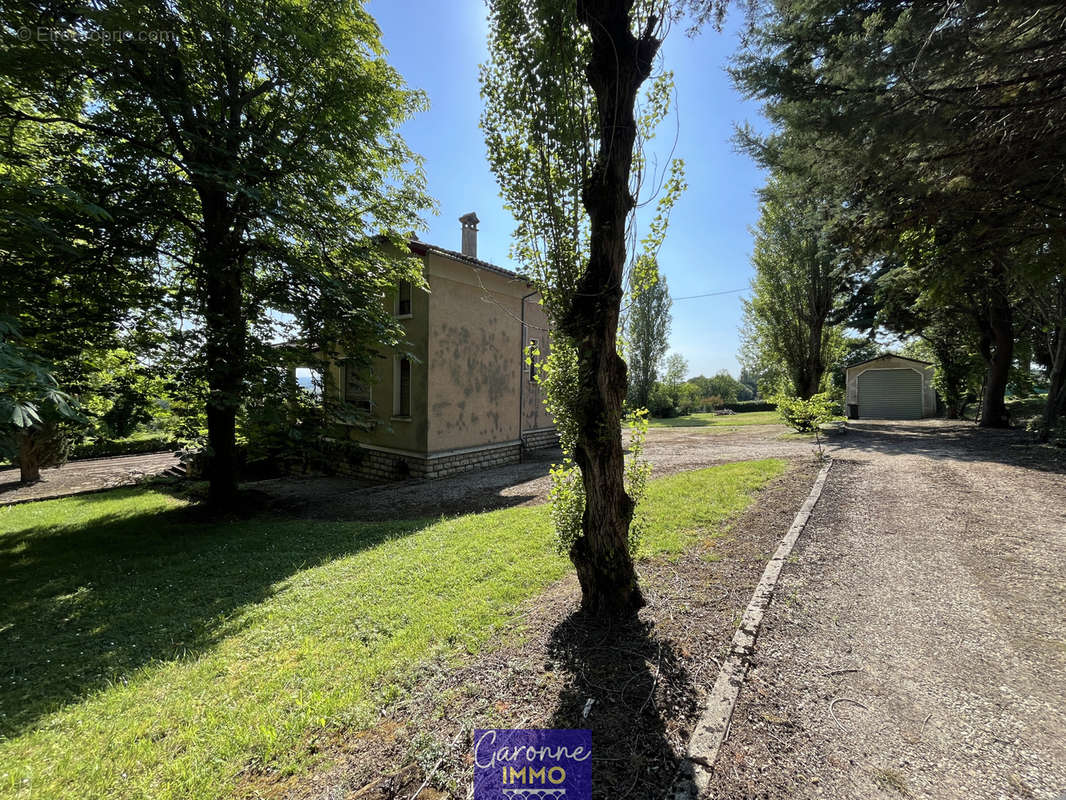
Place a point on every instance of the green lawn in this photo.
(723, 422)
(143, 655)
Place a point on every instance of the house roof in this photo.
(889, 355)
(420, 247)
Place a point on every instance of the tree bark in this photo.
(619, 63)
(1056, 396)
(29, 463)
(224, 325)
(998, 349)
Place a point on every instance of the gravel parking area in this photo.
(916, 647)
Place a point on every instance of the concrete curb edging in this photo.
(713, 723)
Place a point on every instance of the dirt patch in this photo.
(645, 679)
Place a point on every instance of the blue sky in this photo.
(437, 47)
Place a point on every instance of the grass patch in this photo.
(143, 655)
(719, 422)
(890, 780)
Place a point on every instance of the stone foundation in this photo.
(536, 440)
(382, 465)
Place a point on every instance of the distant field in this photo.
(724, 421)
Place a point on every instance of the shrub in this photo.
(661, 403)
(120, 447)
(751, 405)
(805, 415)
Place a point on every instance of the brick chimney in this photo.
(469, 222)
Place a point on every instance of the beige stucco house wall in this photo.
(472, 402)
(892, 362)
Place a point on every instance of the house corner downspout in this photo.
(521, 379)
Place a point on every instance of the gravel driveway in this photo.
(916, 646)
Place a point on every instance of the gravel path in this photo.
(87, 475)
(669, 450)
(926, 611)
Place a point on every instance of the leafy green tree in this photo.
(78, 276)
(32, 409)
(958, 370)
(750, 380)
(675, 369)
(689, 397)
(647, 334)
(805, 415)
(724, 386)
(929, 120)
(563, 127)
(798, 284)
(269, 133)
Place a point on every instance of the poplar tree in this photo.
(647, 335)
(564, 130)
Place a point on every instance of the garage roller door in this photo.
(890, 394)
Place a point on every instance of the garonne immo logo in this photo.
(532, 764)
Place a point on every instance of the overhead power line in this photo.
(710, 294)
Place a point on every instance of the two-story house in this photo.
(462, 395)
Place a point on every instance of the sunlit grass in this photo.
(143, 655)
(718, 422)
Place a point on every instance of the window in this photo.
(356, 389)
(403, 299)
(310, 380)
(403, 387)
(534, 354)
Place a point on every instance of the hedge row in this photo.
(750, 405)
(120, 447)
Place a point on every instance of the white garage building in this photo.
(891, 387)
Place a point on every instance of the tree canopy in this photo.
(931, 128)
(260, 145)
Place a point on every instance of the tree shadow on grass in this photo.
(84, 605)
(640, 689)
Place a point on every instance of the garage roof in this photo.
(889, 355)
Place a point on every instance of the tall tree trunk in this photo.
(815, 368)
(224, 325)
(29, 461)
(1056, 396)
(618, 65)
(998, 348)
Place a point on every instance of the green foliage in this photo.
(564, 125)
(36, 417)
(119, 393)
(798, 283)
(647, 332)
(723, 386)
(662, 403)
(566, 495)
(690, 397)
(132, 445)
(747, 406)
(931, 126)
(263, 145)
(806, 415)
